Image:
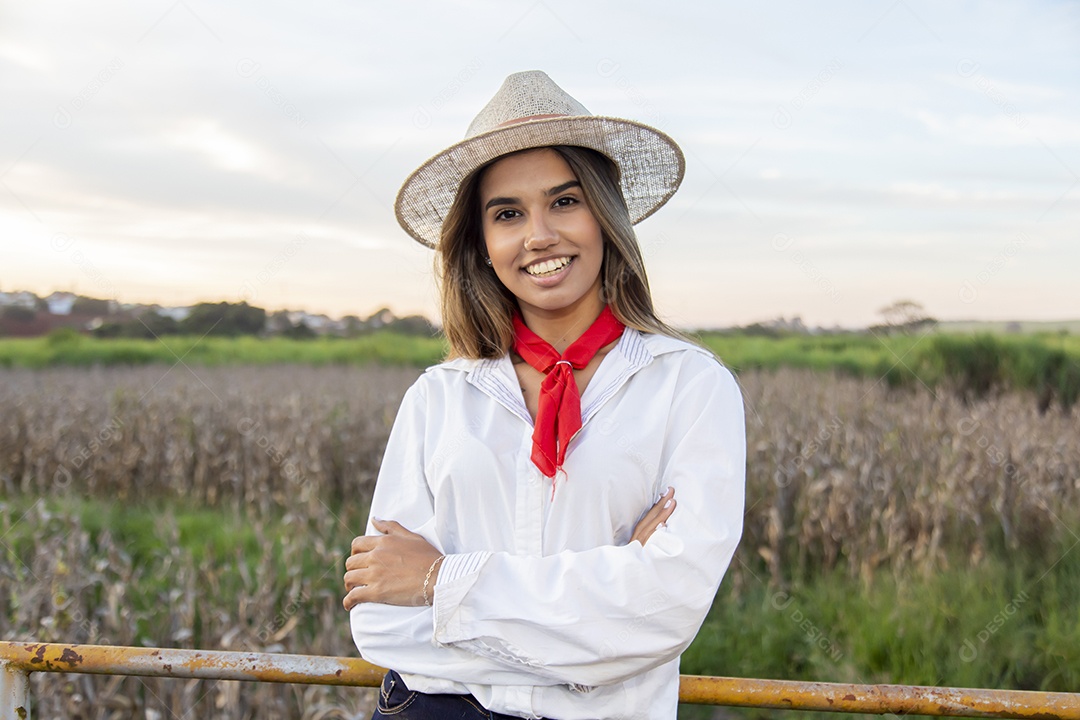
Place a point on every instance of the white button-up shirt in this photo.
(543, 608)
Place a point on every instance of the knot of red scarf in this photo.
(558, 416)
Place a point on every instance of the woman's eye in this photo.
(565, 201)
(505, 214)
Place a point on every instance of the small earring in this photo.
(488, 261)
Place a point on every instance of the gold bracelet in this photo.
(427, 578)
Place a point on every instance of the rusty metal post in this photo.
(177, 663)
(879, 699)
(17, 660)
(14, 692)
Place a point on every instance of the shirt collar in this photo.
(496, 377)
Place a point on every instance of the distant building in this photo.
(60, 303)
(178, 314)
(22, 298)
(318, 323)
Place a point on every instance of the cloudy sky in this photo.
(840, 155)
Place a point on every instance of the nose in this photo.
(539, 234)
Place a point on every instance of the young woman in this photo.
(525, 556)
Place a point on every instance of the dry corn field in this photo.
(842, 473)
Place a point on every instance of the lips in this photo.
(549, 266)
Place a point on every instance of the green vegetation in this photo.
(67, 348)
(975, 366)
(855, 354)
(962, 627)
(1001, 624)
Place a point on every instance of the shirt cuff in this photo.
(459, 565)
(457, 575)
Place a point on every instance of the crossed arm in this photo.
(392, 568)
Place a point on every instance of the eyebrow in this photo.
(513, 201)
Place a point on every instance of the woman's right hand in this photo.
(655, 517)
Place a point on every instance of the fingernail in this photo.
(670, 490)
(667, 504)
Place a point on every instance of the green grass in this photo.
(995, 626)
(75, 350)
(975, 366)
(855, 354)
(1003, 624)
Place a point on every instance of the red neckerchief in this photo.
(559, 414)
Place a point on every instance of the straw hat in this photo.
(531, 111)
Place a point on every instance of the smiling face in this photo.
(545, 245)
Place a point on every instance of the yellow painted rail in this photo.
(18, 660)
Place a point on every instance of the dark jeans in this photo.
(398, 701)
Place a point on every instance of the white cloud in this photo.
(26, 56)
(218, 146)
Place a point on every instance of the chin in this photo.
(556, 301)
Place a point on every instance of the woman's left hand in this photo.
(655, 517)
(389, 568)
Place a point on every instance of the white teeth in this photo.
(548, 266)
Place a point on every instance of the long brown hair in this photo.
(477, 309)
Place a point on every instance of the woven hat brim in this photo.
(650, 162)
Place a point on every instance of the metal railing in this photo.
(18, 660)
